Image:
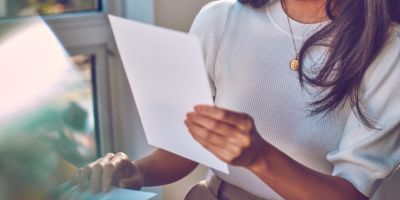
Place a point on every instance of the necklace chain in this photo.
(292, 37)
(294, 63)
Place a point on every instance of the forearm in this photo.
(293, 180)
(162, 167)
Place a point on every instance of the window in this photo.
(79, 115)
(18, 8)
(82, 28)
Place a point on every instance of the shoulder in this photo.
(385, 68)
(391, 48)
(213, 14)
(216, 8)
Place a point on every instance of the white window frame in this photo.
(89, 33)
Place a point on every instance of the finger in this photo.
(108, 156)
(123, 170)
(204, 134)
(206, 137)
(212, 124)
(95, 178)
(225, 154)
(122, 155)
(84, 174)
(134, 183)
(97, 172)
(109, 170)
(240, 120)
(217, 126)
(230, 134)
(76, 179)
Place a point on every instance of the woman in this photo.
(307, 103)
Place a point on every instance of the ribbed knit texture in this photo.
(247, 53)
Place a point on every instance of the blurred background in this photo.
(99, 114)
(20, 8)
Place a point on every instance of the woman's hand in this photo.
(231, 136)
(111, 170)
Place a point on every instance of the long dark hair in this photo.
(355, 36)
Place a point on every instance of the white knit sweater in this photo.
(247, 53)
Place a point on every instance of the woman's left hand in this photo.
(231, 136)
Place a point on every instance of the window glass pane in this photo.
(17, 8)
(42, 148)
(72, 115)
(79, 116)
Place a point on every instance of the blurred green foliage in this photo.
(38, 153)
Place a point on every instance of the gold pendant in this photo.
(295, 64)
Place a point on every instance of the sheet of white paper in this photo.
(167, 76)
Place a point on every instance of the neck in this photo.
(305, 11)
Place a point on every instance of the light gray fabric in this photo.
(200, 191)
(247, 53)
(214, 188)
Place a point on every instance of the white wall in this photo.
(177, 14)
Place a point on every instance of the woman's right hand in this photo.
(112, 170)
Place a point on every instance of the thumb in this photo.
(134, 183)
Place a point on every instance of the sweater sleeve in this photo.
(209, 26)
(367, 157)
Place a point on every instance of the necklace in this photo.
(295, 62)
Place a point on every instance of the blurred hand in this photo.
(231, 136)
(111, 170)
